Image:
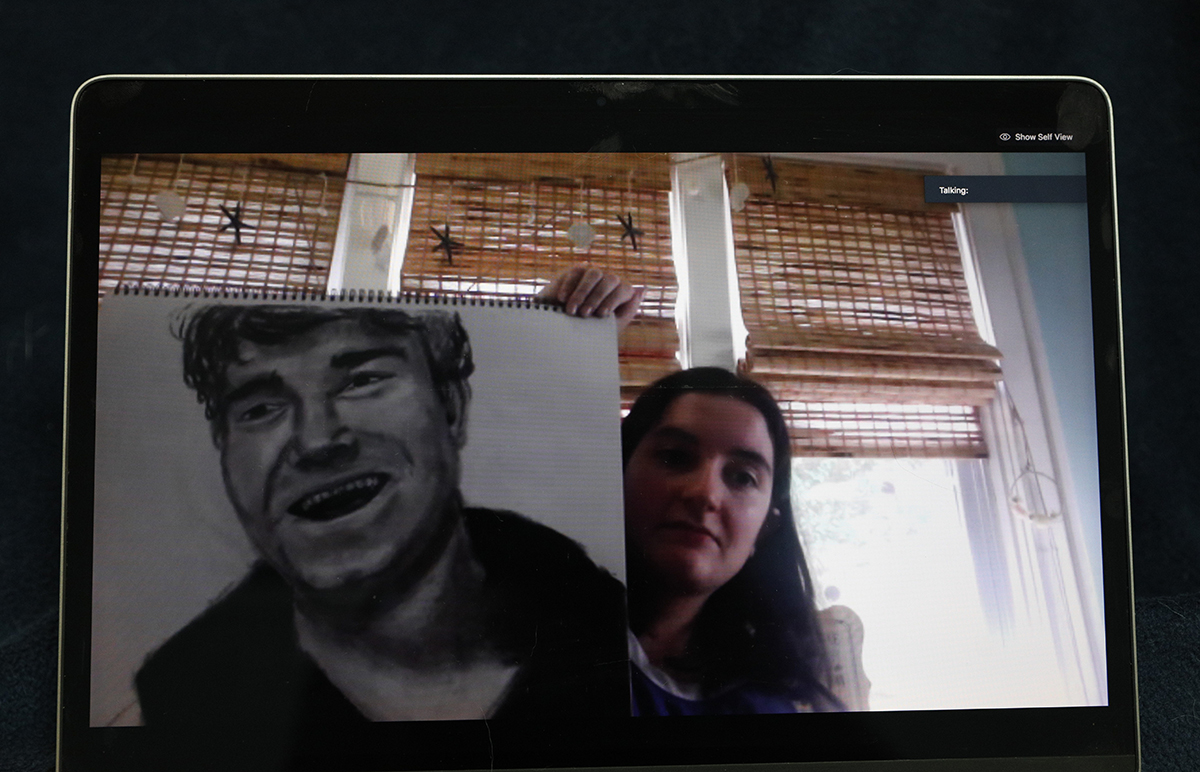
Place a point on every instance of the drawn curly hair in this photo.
(212, 337)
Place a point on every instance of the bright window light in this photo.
(888, 539)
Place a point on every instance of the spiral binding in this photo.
(341, 296)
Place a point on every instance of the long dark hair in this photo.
(760, 627)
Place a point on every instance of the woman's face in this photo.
(697, 490)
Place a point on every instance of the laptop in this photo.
(574, 423)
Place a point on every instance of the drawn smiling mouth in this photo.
(339, 500)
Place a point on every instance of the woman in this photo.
(721, 611)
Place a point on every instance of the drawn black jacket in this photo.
(238, 665)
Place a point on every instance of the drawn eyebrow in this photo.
(268, 382)
(743, 454)
(348, 360)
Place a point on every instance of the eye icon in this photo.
(1005, 137)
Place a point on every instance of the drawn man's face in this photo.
(338, 455)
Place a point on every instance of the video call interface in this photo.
(459, 436)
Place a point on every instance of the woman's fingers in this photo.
(559, 289)
(612, 299)
(599, 301)
(629, 309)
(582, 287)
(585, 290)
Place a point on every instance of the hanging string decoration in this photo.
(1033, 494)
(772, 175)
(581, 235)
(235, 221)
(445, 243)
(171, 206)
(321, 210)
(630, 231)
(739, 192)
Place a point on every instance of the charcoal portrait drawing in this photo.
(378, 592)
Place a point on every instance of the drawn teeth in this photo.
(361, 483)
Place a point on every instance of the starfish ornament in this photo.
(446, 243)
(630, 231)
(235, 222)
(772, 175)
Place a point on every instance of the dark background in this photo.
(1145, 54)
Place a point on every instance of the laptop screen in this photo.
(607, 454)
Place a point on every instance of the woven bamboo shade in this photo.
(292, 202)
(882, 429)
(511, 214)
(859, 316)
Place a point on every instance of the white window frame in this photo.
(1053, 577)
(378, 196)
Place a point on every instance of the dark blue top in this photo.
(650, 699)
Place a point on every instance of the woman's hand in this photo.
(587, 291)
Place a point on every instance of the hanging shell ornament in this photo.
(170, 205)
(738, 195)
(581, 235)
(380, 239)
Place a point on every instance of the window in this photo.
(859, 317)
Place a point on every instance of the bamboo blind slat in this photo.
(865, 429)
(870, 366)
(335, 164)
(853, 293)
(636, 372)
(831, 183)
(765, 342)
(644, 171)
(892, 391)
(511, 214)
(650, 337)
(293, 214)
